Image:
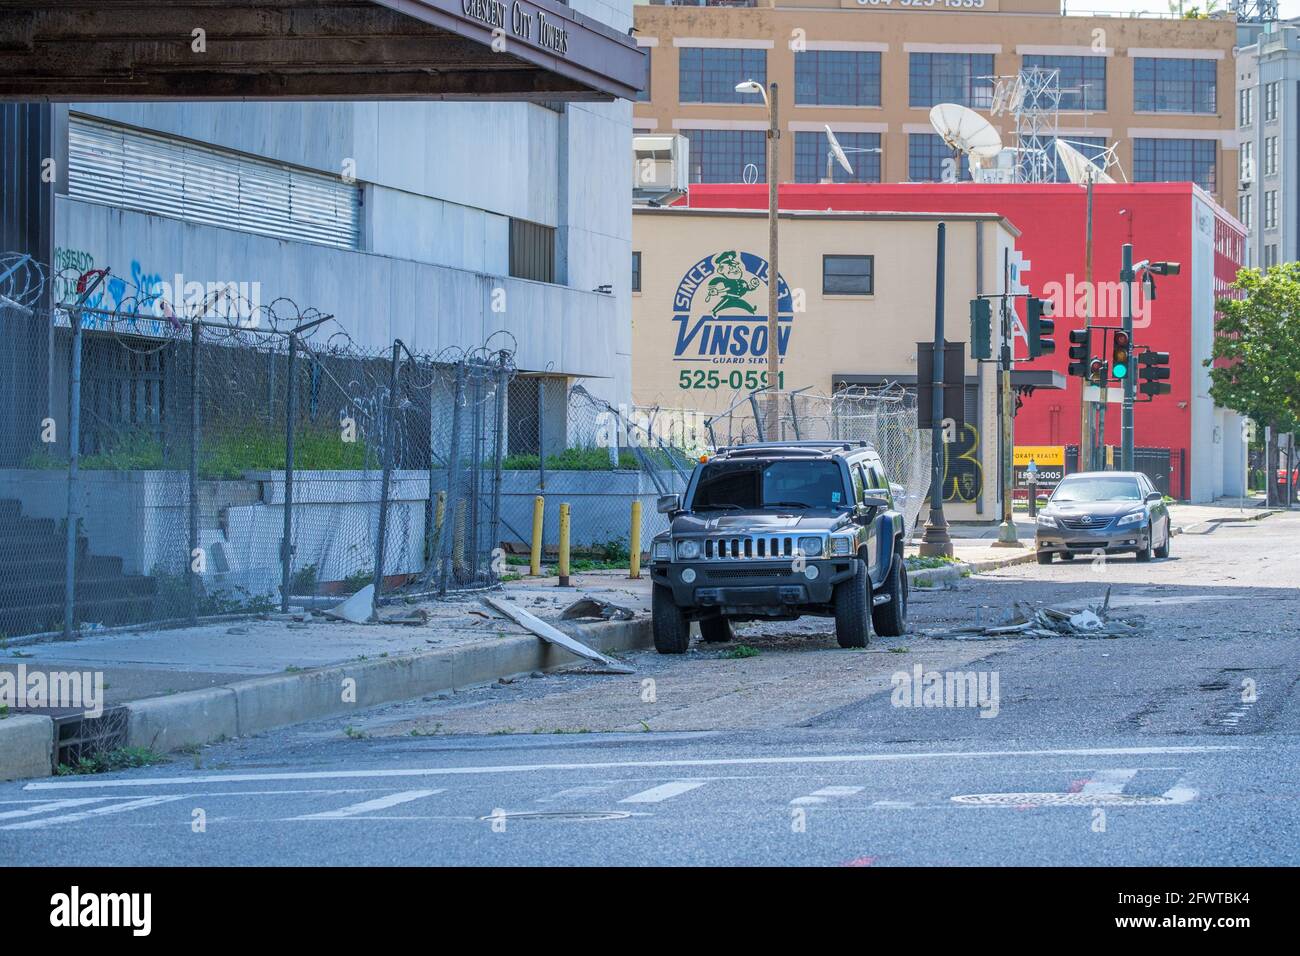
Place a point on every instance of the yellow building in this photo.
(1160, 89)
(857, 295)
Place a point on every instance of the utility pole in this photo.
(1085, 409)
(1126, 277)
(935, 542)
(773, 284)
(1007, 530)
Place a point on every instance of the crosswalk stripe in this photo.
(664, 791)
(49, 806)
(95, 812)
(825, 794)
(574, 793)
(367, 806)
(1108, 782)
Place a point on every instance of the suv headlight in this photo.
(1135, 517)
(688, 550)
(842, 546)
(1046, 521)
(663, 551)
(811, 547)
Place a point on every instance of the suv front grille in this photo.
(749, 546)
(779, 572)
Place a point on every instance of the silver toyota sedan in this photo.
(1103, 512)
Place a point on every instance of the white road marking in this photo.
(96, 812)
(47, 806)
(378, 773)
(574, 793)
(664, 791)
(379, 803)
(825, 794)
(1108, 782)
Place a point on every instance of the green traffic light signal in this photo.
(981, 329)
(1119, 347)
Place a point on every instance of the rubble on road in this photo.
(589, 607)
(1023, 621)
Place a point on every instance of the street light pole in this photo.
(1126, 277)
(936, 542)
(773, 273)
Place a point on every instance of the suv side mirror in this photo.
(867, 507)
(668, 504)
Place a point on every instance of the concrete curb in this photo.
(26, 746)
(960, 569)
(264, 703)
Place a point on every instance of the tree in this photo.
(1255, 362)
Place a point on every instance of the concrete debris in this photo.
(412, 616)
(1023, 621)
(553, 635)
(590, 607)
(356, 609)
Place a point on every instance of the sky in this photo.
(1286, 8)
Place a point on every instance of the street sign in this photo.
(954, 383)
(1114, 394)
(1048, 459)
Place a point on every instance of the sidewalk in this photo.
(192, 685)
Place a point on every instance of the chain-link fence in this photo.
(233, 459)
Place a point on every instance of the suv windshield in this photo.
(796, 485)
(1097, 489)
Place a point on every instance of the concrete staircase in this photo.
(32, 579)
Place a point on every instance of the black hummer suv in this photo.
(777, 530)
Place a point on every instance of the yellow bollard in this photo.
(564, 545)
(634, 565)
(535, 558)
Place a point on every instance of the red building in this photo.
(1164, 221)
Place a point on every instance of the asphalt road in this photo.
(1175, 746)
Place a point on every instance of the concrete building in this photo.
(1158, 88)
(1268, 124)
(857, 295)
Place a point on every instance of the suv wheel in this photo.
(1145, 553)
(890, 619)
(1044, 557)
(853, 608)
(672, 632)
(716, 630)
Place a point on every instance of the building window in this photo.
(1092, 147)
(965, 78)
(1246, 163)
(636, 272)
(837, 78)
(1245, 106)
(532, 251)
(644, 95)
(721, 155)
(1271, 94)
(848, 275)
(1270, 209)
(710, 75)
(930, 160)
(1244, 206)
(810, 150)
(1270, 155)
(1082, 79)
(1270, 256)
(1175, 161)
(1174, 85)
(164, 176)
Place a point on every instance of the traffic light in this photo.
(1119, 359)
(1080, 352)
(1097, 372)
(1041, 327)
(1153, 369)
(981, 329)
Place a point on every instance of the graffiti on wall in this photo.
(963, 475)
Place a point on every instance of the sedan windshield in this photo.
(1098, 488)
(784, 485)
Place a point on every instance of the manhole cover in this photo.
(1063, 800)
(560, 816)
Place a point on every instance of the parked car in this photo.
(774, 531)
(1110, 511)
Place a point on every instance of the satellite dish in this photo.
(966, 131)
(1078, 167)
(838, 152)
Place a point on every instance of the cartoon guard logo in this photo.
(718, 308)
